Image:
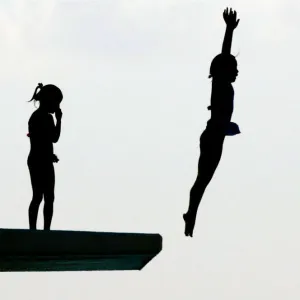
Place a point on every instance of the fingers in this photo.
(231, 13)
(225, 13)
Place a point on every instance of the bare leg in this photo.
(211, 152)
(33, 209)
(36, 183)
(48, 213)
(49, 197)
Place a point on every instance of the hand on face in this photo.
(58, 114)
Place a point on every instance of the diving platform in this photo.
(23, 250)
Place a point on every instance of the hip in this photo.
(211, 140)
(39, 160)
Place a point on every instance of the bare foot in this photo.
(189, 224)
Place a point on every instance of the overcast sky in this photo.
(134, 78)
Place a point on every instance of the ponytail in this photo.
(46, 92)
(34, 97)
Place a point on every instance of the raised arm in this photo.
(231, 24)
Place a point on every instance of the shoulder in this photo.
(220, 87)
(33, 117)
(40, 118)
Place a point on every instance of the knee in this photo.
(49, 199)
(199, 186)
(37, 198)
(35, 204)
(203, 179)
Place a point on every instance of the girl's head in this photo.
(49, 96)
(224, 67)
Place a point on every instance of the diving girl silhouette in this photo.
(223, 71)
(43, 133)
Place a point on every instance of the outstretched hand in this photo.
(230, 19)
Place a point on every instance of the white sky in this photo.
(134, 78)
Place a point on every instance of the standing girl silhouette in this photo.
(223, 71)
(43, 133)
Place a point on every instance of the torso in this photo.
(41, 127)
(221, 106)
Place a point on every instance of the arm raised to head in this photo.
(231, 21)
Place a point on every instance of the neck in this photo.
(42, 108)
